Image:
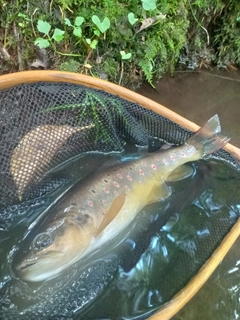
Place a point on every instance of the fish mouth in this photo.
(37, 263)
(25, 265)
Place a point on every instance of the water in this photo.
(197, 96)
(176, 250)
(220, 297)
(140, 270)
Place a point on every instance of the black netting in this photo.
(89, 119)
(43, 125)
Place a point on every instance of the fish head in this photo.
(51, 250)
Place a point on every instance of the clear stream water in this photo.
(171, 239)
(197, 96)
(159, 252)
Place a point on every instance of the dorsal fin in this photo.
(112, 212)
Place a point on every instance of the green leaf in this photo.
(68, 22)
(93, 44)
(58, 34)
(149, 4)
(105, 25)
(102, 26)
(96, 20)
(125, 56)
(77, 31)
(78, 21)
(24, 16)
(97, 32)
(131, 18)
(43, 26)
(42, 43)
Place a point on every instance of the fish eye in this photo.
(42, 240)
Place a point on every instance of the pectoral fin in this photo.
(112, 212)
(160, 192)
(182, 172)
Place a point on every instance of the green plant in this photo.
(102, 26)
(25, 21)
(70, 65)
(125, 56)
(77, 30)
(149, 4)
(44, 27)
(121, 40)
(51, 37)
(131, 18)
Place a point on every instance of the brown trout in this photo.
(100, 208)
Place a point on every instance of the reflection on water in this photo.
(140, 270)
(197, 96)
(171, 240)
(177, 247)
(220, 297)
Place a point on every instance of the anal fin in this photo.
(159, 192)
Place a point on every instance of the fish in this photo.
(101, 206)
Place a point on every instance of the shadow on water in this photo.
(197, 96)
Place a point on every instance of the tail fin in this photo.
(209, 138)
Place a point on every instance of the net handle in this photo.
(13, 79)
(178, 301)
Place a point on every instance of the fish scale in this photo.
(132, 176)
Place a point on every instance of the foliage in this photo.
(214, 31)
(120, 40)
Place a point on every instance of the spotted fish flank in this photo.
(129, 177)
(90, 203)
(107, 202)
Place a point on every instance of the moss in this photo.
(206, 31)
(214, 31)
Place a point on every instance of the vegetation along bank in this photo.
(124, 41)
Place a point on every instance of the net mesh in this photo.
(43, 125)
